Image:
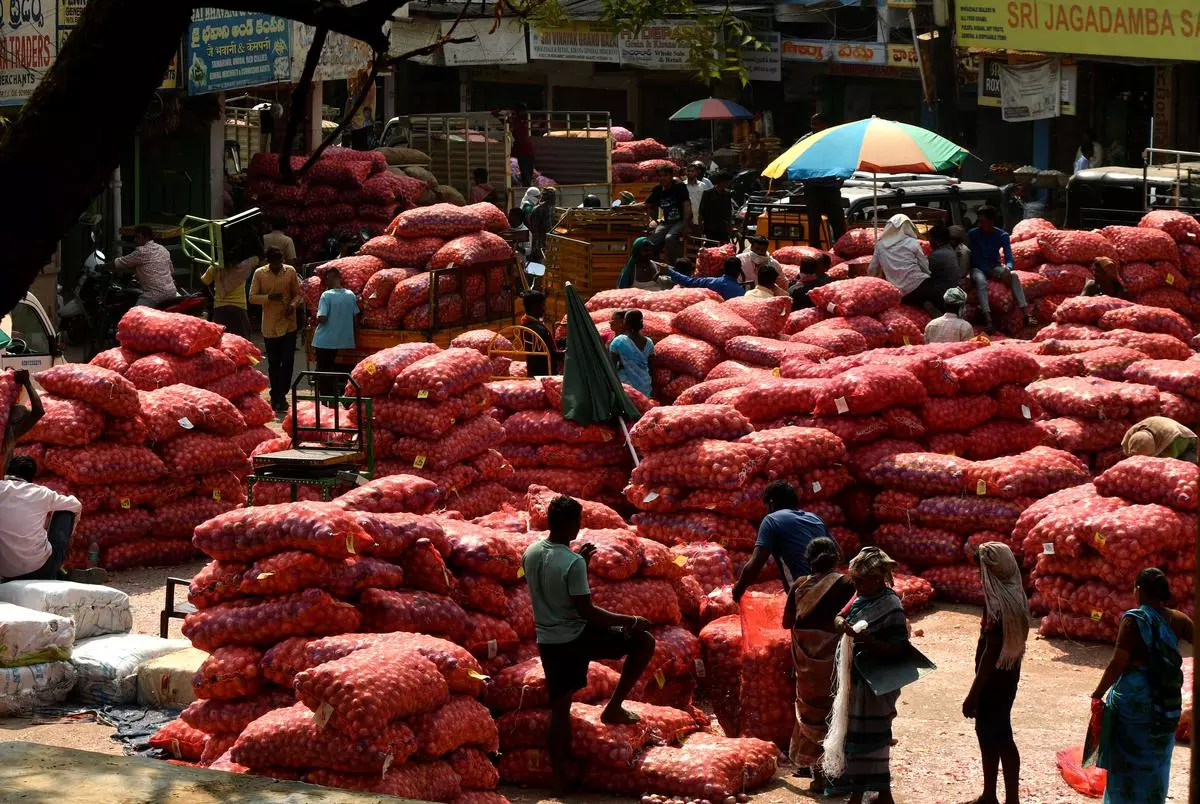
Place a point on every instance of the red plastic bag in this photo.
(250, 533)
(103, 389)
(265, 622)
(146, 330)
(1089, 781)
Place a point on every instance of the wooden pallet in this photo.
(577, 221)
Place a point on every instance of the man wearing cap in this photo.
(950, 327)
(1160, 437)
(625, 199)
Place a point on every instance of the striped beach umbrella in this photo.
(712, 109)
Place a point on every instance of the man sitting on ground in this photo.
(35, 527)
(814, 272)
(572, 632)
(766, 284)
(950, 326)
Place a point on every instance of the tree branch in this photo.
(364, 22)
(299, 101)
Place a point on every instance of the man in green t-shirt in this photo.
(572, 632)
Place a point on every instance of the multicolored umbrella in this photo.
(712, 109)
(874, 145)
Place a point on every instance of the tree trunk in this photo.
(62, 150)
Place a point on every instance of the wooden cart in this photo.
(588, 248)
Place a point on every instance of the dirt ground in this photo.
(935, 762)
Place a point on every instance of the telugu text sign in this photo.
(1160, 29)
(822, 50)
(230, 50)
(764, 65)
(576, 42)
(655, 47)
(27, 46)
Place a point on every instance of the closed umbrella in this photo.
(874, 145)
(712, 110)
(592, 393)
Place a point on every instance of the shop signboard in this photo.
(824, 50)
(505, 45)
(231, 50)
(28, 45)
(413, 34)
(903, 57)
(764, 65)
(69, 12)
(657, 46)
(579, 41)
(1161, 29)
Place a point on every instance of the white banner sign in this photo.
(655, 47)
(505, 45)
(576, 42)
(413, 34)
(341, 57)
(27, 47)
(764, 65)
(1030, 91)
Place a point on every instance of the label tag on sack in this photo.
(840, 404)
(1097, 615)
(175, 751)
(186, 423)
(520, 572)
(660, 679)
(535, 759)
(350, 543)
(1026, 412)
(262, 576)
(126, 504)
(370, 368)
(907, 341)
(478, 676)
(1099, 538)
(651, 497)
(1170, 278)
(831, 308)
(775, 372)
(493, 648)
(711, 506)
(321, 716)
(981, 488)
(422, 394)
(699, 668)
(387, 763)
(217, 495)
(608, 437)
(1048, 548)
(254, 361)
(680, 561)
(816, 486)
(821, 360)
(952, 454)
(419, 462)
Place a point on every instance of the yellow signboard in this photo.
(1159, 29)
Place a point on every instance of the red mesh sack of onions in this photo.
(1130, 535)
(482, 551)
(1136, 244)
(378, 288)
(772, 398)
(696, 526)
(586, 456)
(923, 473)
(743, 503)
(711, 261)
(1085, 310)
(792, 255)
(102, 463)
(1065, 278)
(1139, 276)
(1110, 362)
(1094, 398)
(1050, 366)
(246, 380)
(441, 375)
(265, 622)
(360, 694)
(708, 561)
(177, 519)
(477, 593)
(229, 672)
(869, 389)
(159, 370)
(540, 426)
(998, 438)
(620, 299)
(477, 247)
(959, 413)
(419, 612)
(462, 441)
(412, 293)
(721, 646)
(180, 740)
(769, 352)
(875, 333)
(1030, 228)
(1180, 377)
(687, 355)
(1084, 435)
(412, 253)
(478, 776)
(591, 739)
(862, 295)
(250, 533)
(1189, 261)
(1179, 226)
(713, 322)
(921, 546)
(800, 320)
(449, 311)
(479, 499)
(1141, 479)
(147, 553)
(1075, 246)
(1034, 473)
(117, 359)
(766, 676)
(667, 426)
(426, 781)
(103, 389)
(767, 316)
(517, 395)
(217, 582)
(116, 527)
(191, 408)
(294, 570)
(703, 463)
(417, 417)
(837, 339)
(796, 450)
(67, 423)
(255, 410)
(146, 330)
(393, 534)
(646, 597)
(982, 370)
(461, 722)
(967, 514)
(460, 669)
(1074, 626)
(376, 374)
(448, 221)
(1169, 298)
(291, 737)
(523, 686)
(1147, 319)
(902, 330)
(863, 459)
(855, 243)
(201, 453)
(957, 584)
(595, 515)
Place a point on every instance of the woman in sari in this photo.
(811, 608)
(1143, 681)
(858, 748)
(641, 271)
(1001, 646)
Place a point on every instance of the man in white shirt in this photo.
(756, 257)
(950, 327)
(152, 263)
(696, 185)
(35, 525)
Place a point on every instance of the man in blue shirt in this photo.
(784, 533)
(728, 284)
(336, 310)
(986, 241)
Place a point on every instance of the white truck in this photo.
(28, 339)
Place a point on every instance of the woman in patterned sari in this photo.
(810, 611)
(1143, 706)
(858, 748)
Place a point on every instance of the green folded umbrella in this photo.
(592, 392)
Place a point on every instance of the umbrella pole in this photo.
(625, 432)
(875, 204)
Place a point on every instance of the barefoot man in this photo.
(572, 632)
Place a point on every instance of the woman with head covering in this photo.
(1143, 680)
(810, 611)
(998, 655)
(641, 271)
(1160, 437)
(857, 757)
(899, 259)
